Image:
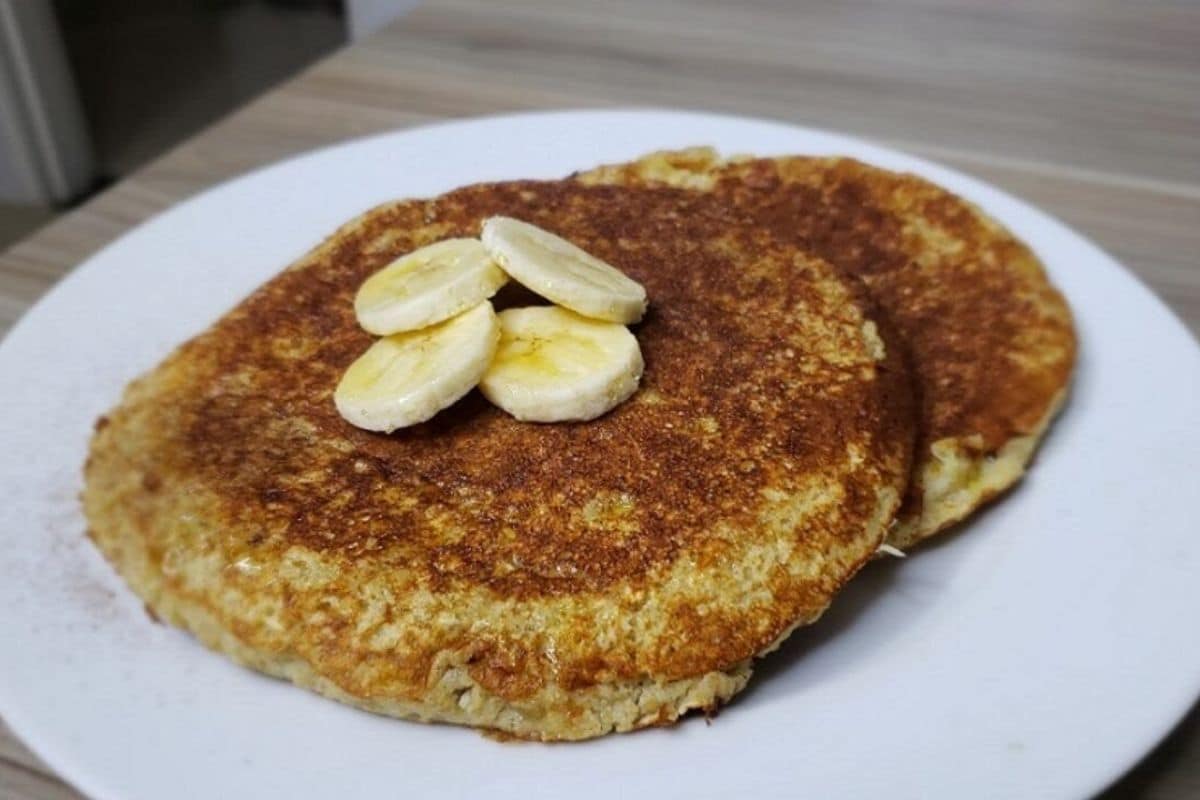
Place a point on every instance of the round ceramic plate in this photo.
(1039, 652)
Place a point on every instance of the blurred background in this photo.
(90, 91)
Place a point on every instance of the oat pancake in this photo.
(551, 581)
(990, 340)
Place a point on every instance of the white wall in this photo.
(45, 154)
(367, 16)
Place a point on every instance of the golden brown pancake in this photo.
(550, 581)
(990, 340)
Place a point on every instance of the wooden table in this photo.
(1090, 110)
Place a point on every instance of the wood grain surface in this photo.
(1090, 110)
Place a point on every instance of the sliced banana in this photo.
(427, 286)
(554, 365)
(562, 272)
(408, 377)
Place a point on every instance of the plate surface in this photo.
(1040, 652)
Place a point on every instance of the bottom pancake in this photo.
(555, 581)
(989, 339)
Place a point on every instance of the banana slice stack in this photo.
(442, 338)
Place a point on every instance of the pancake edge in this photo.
(452, 695)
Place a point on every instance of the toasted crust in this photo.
(550, 581)
(991, 341)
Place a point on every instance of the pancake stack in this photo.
(835, 358)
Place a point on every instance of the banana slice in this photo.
(554, 365)
(427, 286)
(563, 273)
(408, 377)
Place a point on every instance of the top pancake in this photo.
(552, 581)
(990, 340)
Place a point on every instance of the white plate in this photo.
(1040, 653)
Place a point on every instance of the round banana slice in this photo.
(408, 377)
(563, 273)
(427, 286)
(554, 365)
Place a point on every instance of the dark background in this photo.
(153, 72)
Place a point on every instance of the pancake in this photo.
(990, 340)
(555, 581)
